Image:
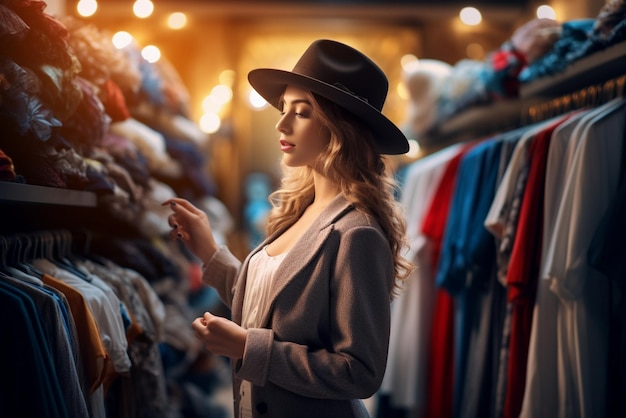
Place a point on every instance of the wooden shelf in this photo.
(27, 193)
(486, 119)
(503, 115)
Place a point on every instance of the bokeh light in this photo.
(177, 20)
(546, 12)
(470, 16)
(87, 8)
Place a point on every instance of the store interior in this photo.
(108, 108)
(222, 40)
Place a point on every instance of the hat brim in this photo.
(270, 84)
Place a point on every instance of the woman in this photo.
(311, 304)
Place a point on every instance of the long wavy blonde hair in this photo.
(352, 162)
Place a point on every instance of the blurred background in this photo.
(212, 44)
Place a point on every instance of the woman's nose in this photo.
(282, 125)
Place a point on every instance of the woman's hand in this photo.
(191, 226)
(220, 335)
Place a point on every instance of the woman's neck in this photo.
(325, 191)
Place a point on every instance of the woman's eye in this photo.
(304, 114)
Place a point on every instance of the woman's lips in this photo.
(285, 146)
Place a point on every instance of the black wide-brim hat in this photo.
(343, 75)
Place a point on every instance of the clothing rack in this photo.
(21, 247)
(479, 121)
(590, 96)
(588, 82)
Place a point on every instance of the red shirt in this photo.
(523, 270)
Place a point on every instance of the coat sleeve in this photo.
(221, 273)
(352, 364)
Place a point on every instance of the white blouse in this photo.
(261, 270)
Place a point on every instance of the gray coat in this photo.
(323, 345)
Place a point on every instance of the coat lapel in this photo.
(301, 254)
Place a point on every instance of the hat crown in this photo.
(346, 68)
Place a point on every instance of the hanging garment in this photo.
(583, 308)
(441, 340)
(541, 387)
(501, 221)
(523, 268)
(467, 251)
(607, 254)
(484, 347)
(411, 311)
(58, 340)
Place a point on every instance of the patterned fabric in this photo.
(506, 63)
(565, 50)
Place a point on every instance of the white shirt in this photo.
(261, 271)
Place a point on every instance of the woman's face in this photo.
(302, 136)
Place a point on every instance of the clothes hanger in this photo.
(4, 252)
(86, 249)
(62, 240)
(17, 264)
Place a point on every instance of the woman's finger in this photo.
(177, 202)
